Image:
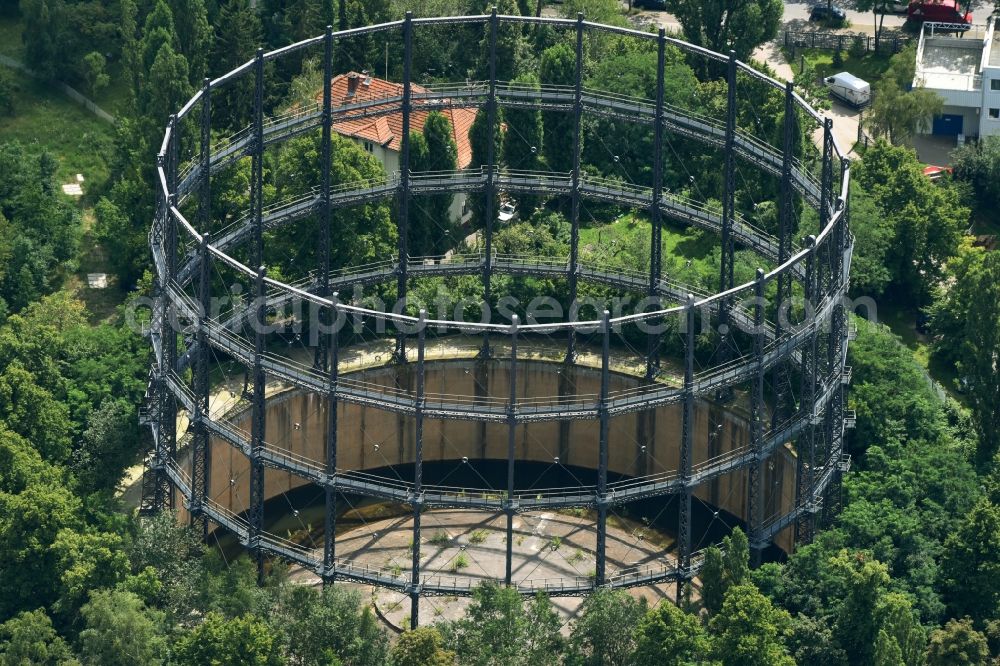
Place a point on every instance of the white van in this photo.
(849, 89)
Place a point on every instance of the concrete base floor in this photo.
(933, 149)
(472, 545)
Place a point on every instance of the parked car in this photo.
(942, 11)
(508, 211)
(659, 5)
(937, 172)
(849, 88)
(897, 7)
(824, 12)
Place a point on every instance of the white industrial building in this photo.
(964, 69)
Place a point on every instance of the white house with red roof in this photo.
(382, 136)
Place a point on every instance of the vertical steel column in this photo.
(491, 187)
(170, 311)
(825, 213)
(602, 458)
(404, 180)
(824, 287)
(256, 517)
(330, 489)
(418, 471)
(205, 158)
(786, 220)
(755, 502)
(325, 232)
(837, 346)
(574, 242)
(807, 454)
(257, 162)
(656, 212)
(200, 459)
(511, 440)
(728, 214)
(687, 438)
(166, 431)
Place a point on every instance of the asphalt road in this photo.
(796, 16)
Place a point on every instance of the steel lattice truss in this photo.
(814, 353)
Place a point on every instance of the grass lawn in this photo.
(689, 255)
(869, 67)
(46, 119)
(622, 231)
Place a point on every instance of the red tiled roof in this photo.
(388, 130)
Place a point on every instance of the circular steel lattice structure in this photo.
(808, 355)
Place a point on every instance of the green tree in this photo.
(479, 141)
(124, 239)
(499, 628)
(511, 49)
(811, 641)
(244, 641)
(194, 36)
(230, 589)
(20, 463)
(420, 647)
(119, 630)
(857, 627)
(44, 228)
(430, 227)
(748, 630)
(621, 149)
(886, 651)
(86, 561)
(95, 71)
(333, 624)
(978, 163)
(603, 634)
(166, 89)
(873, 235)
(967, 315)
(109, 446)
(239, 35)
(608, 12)
(667, 636)
(29, 524)
(971, 564)
(363, 233)
(713, 589)
(43, 23)
(724, 569)
(558, 67)
(173, 552)
(927, 221)
(158, 31)
(900, 633)
(522, 143)
(34, 413)
(29, 638)
(897, 111)
(957, 643)
(740, 25)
